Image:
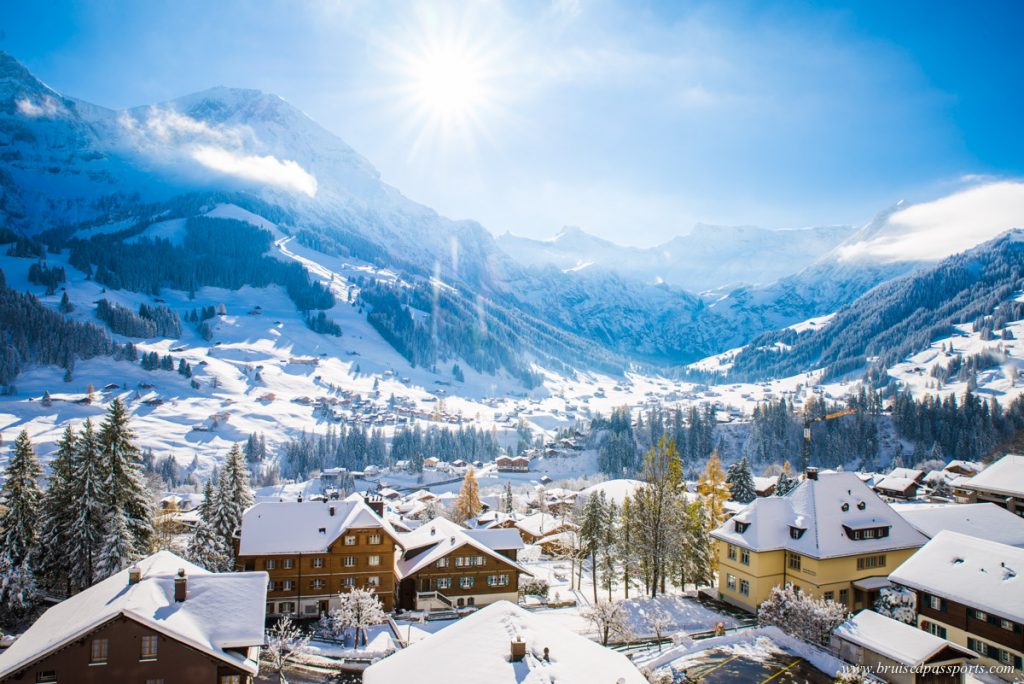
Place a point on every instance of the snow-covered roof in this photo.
(614, 490)
(981, 520)
(1005, 476)
(477, 648)
(307, 527)
(906, 473)
(763, 483)
(975, 572)
(221, 610)
(540, 524)
(503, 539)
(896, 484)
(441, 536)
(817, 505)
(973, 466)
(894, 639)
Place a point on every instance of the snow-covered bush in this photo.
(898, 603)
(534, 587)
(852, 675)
(801, 615)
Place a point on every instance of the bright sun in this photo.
(449, 83)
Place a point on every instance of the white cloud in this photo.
(47, 108)
(937, 229)
(267, 169)
(167, 124)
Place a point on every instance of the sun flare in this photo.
(449, 82)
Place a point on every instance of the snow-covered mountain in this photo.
(708, 258)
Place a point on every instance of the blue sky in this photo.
(631, 120)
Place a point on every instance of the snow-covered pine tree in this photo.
(206, 547)
(87, 492)
(126, 493)
(59, 511)
(592, 532)
(741, 482)
(898, 603)
(509, 502)
(700, 552)
(232, 498)
(467, 505)
(117, 551)
(785, 484)
(22, 497)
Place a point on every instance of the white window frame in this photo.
(442, 562)
(376, 538)
(444, 582)
(287, 564)
(466, 582)
(373, 581)
(350, 561)
(351, 540)
(318, 562)
(271, 564)
(373, 561)
(730, 581)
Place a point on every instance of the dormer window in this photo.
(741, 527)
(796, 532)
(866, 533)
(861, 506)
(845, 507)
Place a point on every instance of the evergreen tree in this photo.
(206, 547)
(59, 513)
(19, 537)
(741, 482)
(87, 489)
(509, 501)
(467, 505)
(592, 531)
(232, 498)
(128, 503)
(785, 484)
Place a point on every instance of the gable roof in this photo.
(476, 649)
(222, 610)
(896, 484)
(981, 520)
(816, 506)
(541, 524)
(439, 537)
(975, 572)
(1005, 476)
(307, 527)
(896, 640)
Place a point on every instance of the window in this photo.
(730, 581)
(318, 562)
(271, 564)
(731, 552)
(1005, 657)
(1006, 624)
(287, 564)
(374, 560)
(310, 609)
(829, 596)
(980, 615)
(350, 540)
(286, 607)
(373, 581)
(935, 603)
(870, 562)
(741, 527)
(460, 561)
(99, 651)
(466, 582)
(348, 581)
(46, 676)
(976, 645)
(937, 630)
(316, 584)
(844, 597)
(149, 647)
(287, 585)
(497, 580)
(442, 562)
(794, 561)
(745, 587)
(229, 679)
(868, 534)
(350, 561)
(796, 532)
(479, 560)
(375, 539)
(444, 582)
(745, 556)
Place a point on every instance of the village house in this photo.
(900, 652)
(1002, 483)
(536, 526)
(504, 644)
(164, 619)
(897, 487)
(512, 464)
(446, 566)
(831, 537)
(314, 550)
(970, 591)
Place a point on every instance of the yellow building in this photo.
(831, 537)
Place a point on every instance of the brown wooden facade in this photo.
(986, 634)
(308, 584)
(123, 650)
(466, 576)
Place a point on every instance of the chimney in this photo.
(376, 504)
(331, 509)
(134, 574)
(518, 650)
(180, 586)
(812, 473)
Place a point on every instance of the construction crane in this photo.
(808, 421)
